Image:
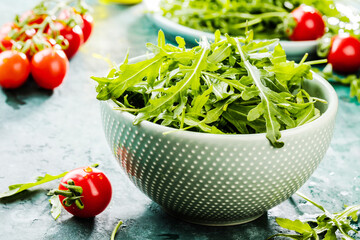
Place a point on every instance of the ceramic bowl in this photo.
(214, 179)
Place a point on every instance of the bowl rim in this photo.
(329, 113)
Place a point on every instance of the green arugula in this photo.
(16, 188)
(326, 225)
(56, 206)
(234, 86)
(351, 80)
(113, 234)
(267, 18)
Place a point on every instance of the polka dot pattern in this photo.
(214, 180)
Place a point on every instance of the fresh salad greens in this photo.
(16, 188)
(351, 80)
(267, 18)
(325, 226)
(234, 85)
(56, 206)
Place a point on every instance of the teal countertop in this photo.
(54, 131)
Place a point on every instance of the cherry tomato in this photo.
(96, 191)
(344, 54)
(14, 69)
(74, 36)
(309, 24)
(87, 27)
(49, 67)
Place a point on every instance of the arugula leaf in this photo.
(330, 234)
(181, 42)
(352, 80)
(200, 101)
(130, 74)
(355, 88)
(191, 79)
(268, 108)
(55, 206)
(215, 113)
(220, 54)
(16, 188)
(298, 226)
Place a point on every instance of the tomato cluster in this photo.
(41, 44)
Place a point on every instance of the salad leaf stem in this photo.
(272, 127)
(118, 225)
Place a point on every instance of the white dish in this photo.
(293, 49)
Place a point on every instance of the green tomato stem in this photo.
(73, 194)
(67, 202)
(95, 165)
(79, 204)
(64, 193)
(73, 199)
(77, 190)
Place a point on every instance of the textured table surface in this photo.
(51, 132)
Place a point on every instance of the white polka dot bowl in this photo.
(213, 179)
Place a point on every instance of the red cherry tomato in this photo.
(87, 26)
(96, 191)
(310, 24)
(74, 36)
(49, 67)
(344, 54)
(14, 69)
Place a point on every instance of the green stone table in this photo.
(51, 132)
